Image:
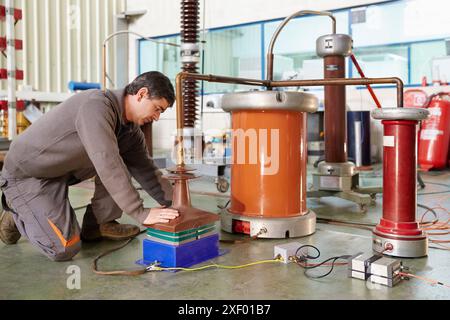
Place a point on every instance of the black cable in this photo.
(334, 259)
(304, 258)
(307, 255)
(225, 206)
(437, 192)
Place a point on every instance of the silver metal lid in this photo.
(400, 114)
(337, 169)
(270, 100)
(334, 45)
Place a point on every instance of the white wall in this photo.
(62, 41)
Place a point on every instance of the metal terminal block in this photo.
(385, 271)
(359, 264)
(388, 282)
(286, 251)
(190, 53)
(336, 177)
(375, 268)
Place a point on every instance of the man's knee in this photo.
(65, 255)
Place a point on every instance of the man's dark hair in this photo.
(157, 84)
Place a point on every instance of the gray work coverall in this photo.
(83, 137)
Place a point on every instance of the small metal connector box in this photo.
(286, 250)
(359, 264)
(389, 282)
(385, 267)
(385, 271)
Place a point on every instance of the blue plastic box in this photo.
(185, 255)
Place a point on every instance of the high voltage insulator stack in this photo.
(190, 57)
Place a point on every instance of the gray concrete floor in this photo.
(26, 274)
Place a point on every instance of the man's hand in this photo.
(160, 215)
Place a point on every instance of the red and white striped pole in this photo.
(11, 67)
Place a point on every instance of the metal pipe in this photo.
(282, 25)
(209, 78)
(180, 105)
(112, 35)
(265, 83)
(139, 35)
(352, 82)
(180, 118)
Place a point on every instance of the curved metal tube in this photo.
(268, 84)
(112, 35)
(282, 25)
(346, 82)
(180, 106)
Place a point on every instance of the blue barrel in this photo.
(358, 134)
(81, 86)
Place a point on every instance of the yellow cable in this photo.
(218, 266)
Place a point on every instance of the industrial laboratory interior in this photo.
(224, 150)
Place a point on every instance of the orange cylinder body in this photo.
(275, 188)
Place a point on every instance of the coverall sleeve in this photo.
(95, 125)
(143, 169)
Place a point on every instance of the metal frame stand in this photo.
(340, 180)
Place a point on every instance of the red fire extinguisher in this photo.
(435, 133)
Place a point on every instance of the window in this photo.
(233, 52)
(160, 57)
(397, 38)
(422, 56)
(402, 21)
(383, 61)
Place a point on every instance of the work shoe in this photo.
(9, 233)
(91, 231)
(116, 231)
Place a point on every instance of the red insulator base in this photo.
(399, 228)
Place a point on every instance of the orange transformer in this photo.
(268, 172)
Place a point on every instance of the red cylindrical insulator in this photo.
(335, 112)
(398, 233)
(400, 179)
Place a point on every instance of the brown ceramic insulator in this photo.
(335, 112)
(190, 92)
(190, 20)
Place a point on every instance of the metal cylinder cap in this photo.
(400, 114)
(334, 45)
(270, 101)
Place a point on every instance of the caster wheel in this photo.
(363, 208)
(222, 185)
(373, 197)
